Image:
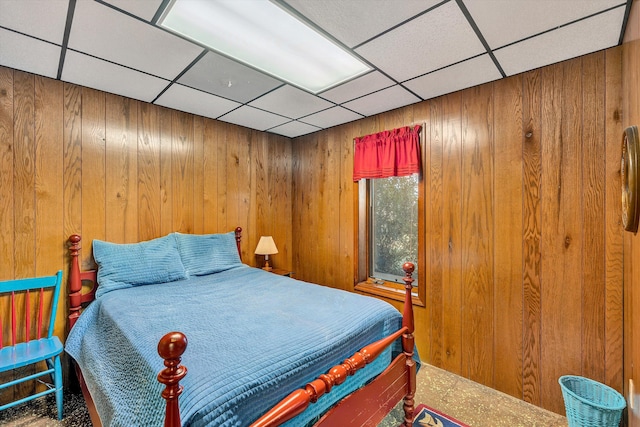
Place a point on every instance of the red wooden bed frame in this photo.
(366, 406)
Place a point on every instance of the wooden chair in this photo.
(32, 339)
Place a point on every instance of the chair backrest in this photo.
(33, 304)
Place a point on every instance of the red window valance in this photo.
(390, 153)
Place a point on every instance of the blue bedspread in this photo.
(277, 326)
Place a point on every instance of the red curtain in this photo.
(390, 153)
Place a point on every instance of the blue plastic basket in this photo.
(590, 403)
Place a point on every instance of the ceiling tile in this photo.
(331, 117)
(505, 21)
(221, 76)
(564, 43)
(355, 21)
(98, 74)
(432, 41)
(135, 44)
(194, 101)
(385, 100)
(459, 76)
(358, 87)
(145, 9)
(253, 118)
(44, 19)
(294, 129)
(291, 102)
(28, 54)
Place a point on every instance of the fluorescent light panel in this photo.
(264, 36)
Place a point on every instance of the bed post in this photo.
(238, 239)
(75, 282)
(170, 348)
(408, 344)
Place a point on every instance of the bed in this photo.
(238, 346)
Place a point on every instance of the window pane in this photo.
(394, 226)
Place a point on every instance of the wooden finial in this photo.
(170, 348)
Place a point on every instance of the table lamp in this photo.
(266, 247)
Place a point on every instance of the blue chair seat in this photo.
(26, 353)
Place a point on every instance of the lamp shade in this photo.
(266, 246)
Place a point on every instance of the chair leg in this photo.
(57, 381)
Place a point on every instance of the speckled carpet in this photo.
(42, 413)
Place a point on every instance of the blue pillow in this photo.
(132, 264)
(208, 253)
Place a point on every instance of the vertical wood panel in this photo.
(435, 231)
(148, 172)
(182, 171)
(532, 236)
(198, 175)
(166, 177)
(210, 176)
(593, 227)
(48, 175)
(561, 222)
(507, 222)
(6, 177)
(477, 234)
(73, 165)
(222, 172)
(613, 213)
(6, 208)
(452, 299)
(24, 173)
(243, 191)
(348, 207)
(122, 170)
(93, 169)
(24, 196)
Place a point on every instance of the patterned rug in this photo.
(429, 417)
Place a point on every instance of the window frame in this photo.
(387, 289)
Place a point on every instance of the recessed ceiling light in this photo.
(264, 36)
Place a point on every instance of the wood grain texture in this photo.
(507, 222)
(613, 213)
(531, 236)
(117, 185)
(561, 244)
(93, 145)
(433, 172)
(77, 160)
(630, 116)
(6, 208)
(452, 297)
(149, 172)
(593, 220)
(477, 234)
(6, 177)
(511, 168)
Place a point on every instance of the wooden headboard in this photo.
(77, 299)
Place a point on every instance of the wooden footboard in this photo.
(366, 406)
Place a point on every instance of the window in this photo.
(389, 226)
(393, 226)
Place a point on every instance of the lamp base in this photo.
(267, 267)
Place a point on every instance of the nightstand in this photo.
(282, 272)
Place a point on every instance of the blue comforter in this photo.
(253, 337)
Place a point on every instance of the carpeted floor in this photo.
(469, 402)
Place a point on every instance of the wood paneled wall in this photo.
(631, 117)
(523, 236)
(77, 160)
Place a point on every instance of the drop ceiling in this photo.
(418, 49)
